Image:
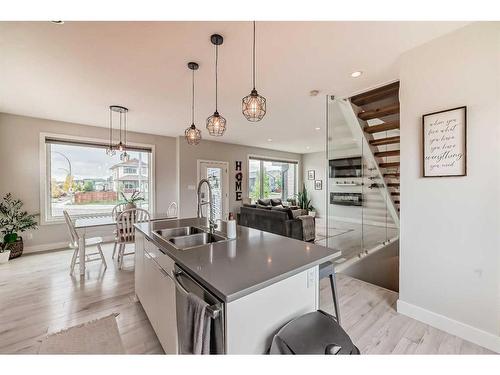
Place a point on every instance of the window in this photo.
(83, 180)
(271, 179)
(129, 170)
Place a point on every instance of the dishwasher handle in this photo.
(212, 311)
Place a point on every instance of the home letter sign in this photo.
(239, 179)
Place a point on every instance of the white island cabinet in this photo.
(249, 321)
(156, 291)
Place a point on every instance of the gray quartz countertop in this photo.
(238, 267)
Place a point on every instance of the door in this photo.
(216, 173)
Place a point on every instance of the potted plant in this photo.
(13, 220)
(303, 199)
(130, 202)
(4, 253)
(312, 211)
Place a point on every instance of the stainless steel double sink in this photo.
(184, 238)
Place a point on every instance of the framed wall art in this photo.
(310, 175)
(445, 143)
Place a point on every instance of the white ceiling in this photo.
(73, 72)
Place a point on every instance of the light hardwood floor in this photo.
(38, 297)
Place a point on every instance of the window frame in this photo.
(45, 164)
(270, 159)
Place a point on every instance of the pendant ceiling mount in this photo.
(216, 124)
(192, 134)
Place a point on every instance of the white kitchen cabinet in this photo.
(156, 291)
(252, 320)
(139, 264)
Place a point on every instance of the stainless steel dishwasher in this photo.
(185, 284)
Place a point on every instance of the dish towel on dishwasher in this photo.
(196, 332)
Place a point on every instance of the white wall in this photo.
(219, 151)
(20, 167)
(450, 227)
(316, 161)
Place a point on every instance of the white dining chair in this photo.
(172, 209)
(119, 208)
(126, 231)
(94, 241)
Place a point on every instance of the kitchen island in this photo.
(254, 283)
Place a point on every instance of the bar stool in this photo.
(328, 270)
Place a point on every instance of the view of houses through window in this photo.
(85, 180)
(272, 179)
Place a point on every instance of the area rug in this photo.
(100, 336)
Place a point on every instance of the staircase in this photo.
(378, 114)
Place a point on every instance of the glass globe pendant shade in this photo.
(254, 106)
(216, 125)
(124, 156)
(120, 146)
(110, 151)
(193, 135)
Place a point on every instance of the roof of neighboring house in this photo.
(132, 177)
(131, 163)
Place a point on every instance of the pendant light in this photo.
(122, 143)
(110, 150)
(216, 124)
(192, 134)
(254, 105)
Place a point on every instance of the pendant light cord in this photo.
(192, 102)
(120, 128)
(110, 128)
(216, 78)
(124, 128)
(254, 55)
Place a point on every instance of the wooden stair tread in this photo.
(376, 94)
(391, 125)
(393, 175)
(389, 165)
(379, 112)
(394, 192)
(393, 184)
(396, 202)
(381, 154)
(384, 141)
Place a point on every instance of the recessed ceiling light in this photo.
(269, 139)
(356, 74)
(317, 128)
(314, 92)
(57, 22)
(307, 147)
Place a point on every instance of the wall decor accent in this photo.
(310, 175)
(239, 180)
(318, 184)
(445, 143)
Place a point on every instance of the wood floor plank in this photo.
(39, 297)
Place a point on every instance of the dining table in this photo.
(88, 223)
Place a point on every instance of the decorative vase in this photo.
(4, 257)
(130, 206)
(16, 248)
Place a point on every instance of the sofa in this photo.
(271, 216)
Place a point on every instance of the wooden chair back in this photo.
(125, 223)
(71, 229)
(120, 207)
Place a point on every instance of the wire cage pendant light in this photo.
(253, 106)
(122, 143)
(192, 134)
(216, 124)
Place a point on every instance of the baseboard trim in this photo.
(56, 246)
(454, 327)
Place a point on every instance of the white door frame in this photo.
(223, 164)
